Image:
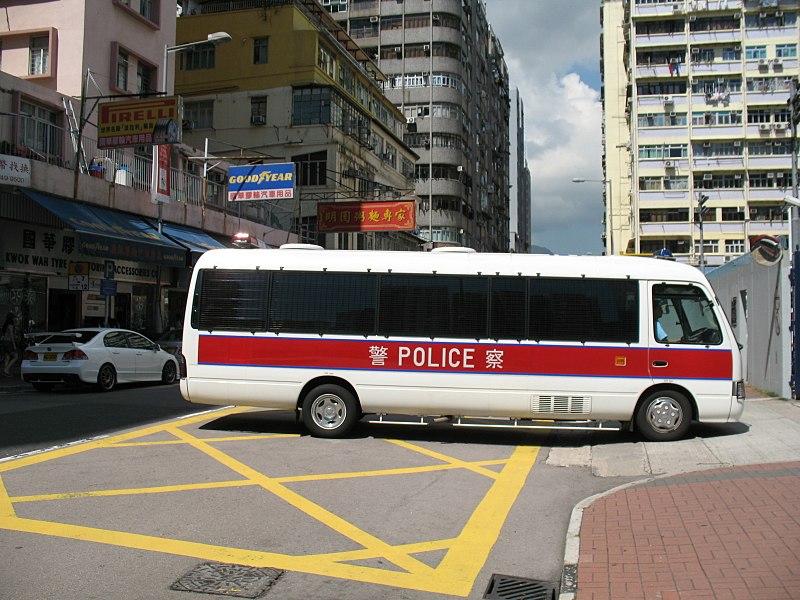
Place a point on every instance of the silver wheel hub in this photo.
(665, 414)
(328, 411)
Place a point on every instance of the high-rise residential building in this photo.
(294, 87)
(520, 177)
(696, 125)
(447, 74)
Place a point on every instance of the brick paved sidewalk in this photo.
(729, 533)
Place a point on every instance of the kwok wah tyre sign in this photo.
(261, 182)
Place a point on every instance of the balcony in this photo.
(26, 137)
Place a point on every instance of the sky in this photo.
(552, 50)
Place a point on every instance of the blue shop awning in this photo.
(111, 233)
(195, 240)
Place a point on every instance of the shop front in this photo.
(104, 267)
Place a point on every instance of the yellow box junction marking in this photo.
(455, 575)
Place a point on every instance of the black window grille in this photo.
(231, 299)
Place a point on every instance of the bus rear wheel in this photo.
(330, 411)
(664, 416)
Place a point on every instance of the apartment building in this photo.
(293, 86)
(81, 242)
(446, 73)
(696, 125)
(520, 177)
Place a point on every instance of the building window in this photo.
(39, 55)
(146, 9)
(755, 52)
(196, 59)
(258, 110)
(260, 50)
(733, 213)
(786, 51)
(734, 246)
(312, 169)
(122, 70)
(39, 130)
(334, 6)
(326, 61)
(200, 115)
(145, 78)
(311, 106)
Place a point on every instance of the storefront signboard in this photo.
(15, 170)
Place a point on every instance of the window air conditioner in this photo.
(693, 17)
(778, 13)
(695, 50)
(374, 19)
(258, 120)
(737, 15)
(426, 47)
(770, 175)
(737, 175)
(707, 177)
(673, 114)
(737, 48)
(764, 127)
(762, 62)
(779, 126)
(779, 175)
(737, 143)
(411, 120)
(669, 164)
(753, 211)
(667, 99)
(777, 62)
(706, 144)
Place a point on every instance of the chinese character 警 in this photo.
(378, 354)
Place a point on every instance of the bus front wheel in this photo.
(664, 416)
(329, 411)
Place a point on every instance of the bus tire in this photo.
(664, 416)
(330, 411)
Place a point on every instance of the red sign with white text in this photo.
(397, 215)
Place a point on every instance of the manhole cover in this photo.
(225, 579)
(506, 587)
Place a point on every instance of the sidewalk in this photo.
(730, 533)
(13, 383)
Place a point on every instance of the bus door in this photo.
(683, 322)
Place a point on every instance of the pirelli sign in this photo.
(140, 122)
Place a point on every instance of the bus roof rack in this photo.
(301, 247)
(452, 250)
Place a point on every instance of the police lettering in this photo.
(439, 357)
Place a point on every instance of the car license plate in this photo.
(50, 355)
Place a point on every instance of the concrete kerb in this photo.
(572, 548)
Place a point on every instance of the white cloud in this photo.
(546, 55)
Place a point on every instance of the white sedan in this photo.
(99, 356)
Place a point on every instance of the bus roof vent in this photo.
(300, 247)
(452, 250)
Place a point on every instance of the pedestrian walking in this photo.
(8, 340)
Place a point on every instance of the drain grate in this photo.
(226, 579)
(506, 587)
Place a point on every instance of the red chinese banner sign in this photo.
(337, 217)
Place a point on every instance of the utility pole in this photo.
(794, 236)
(701, 203)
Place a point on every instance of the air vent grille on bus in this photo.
(561, 405)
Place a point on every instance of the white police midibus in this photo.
(489, 339)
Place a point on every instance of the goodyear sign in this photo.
(261, 182)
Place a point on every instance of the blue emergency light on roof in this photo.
(664, 253)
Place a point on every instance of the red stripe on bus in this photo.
(522, 359)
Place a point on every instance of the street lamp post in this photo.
(217, 38)
(609, 211)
